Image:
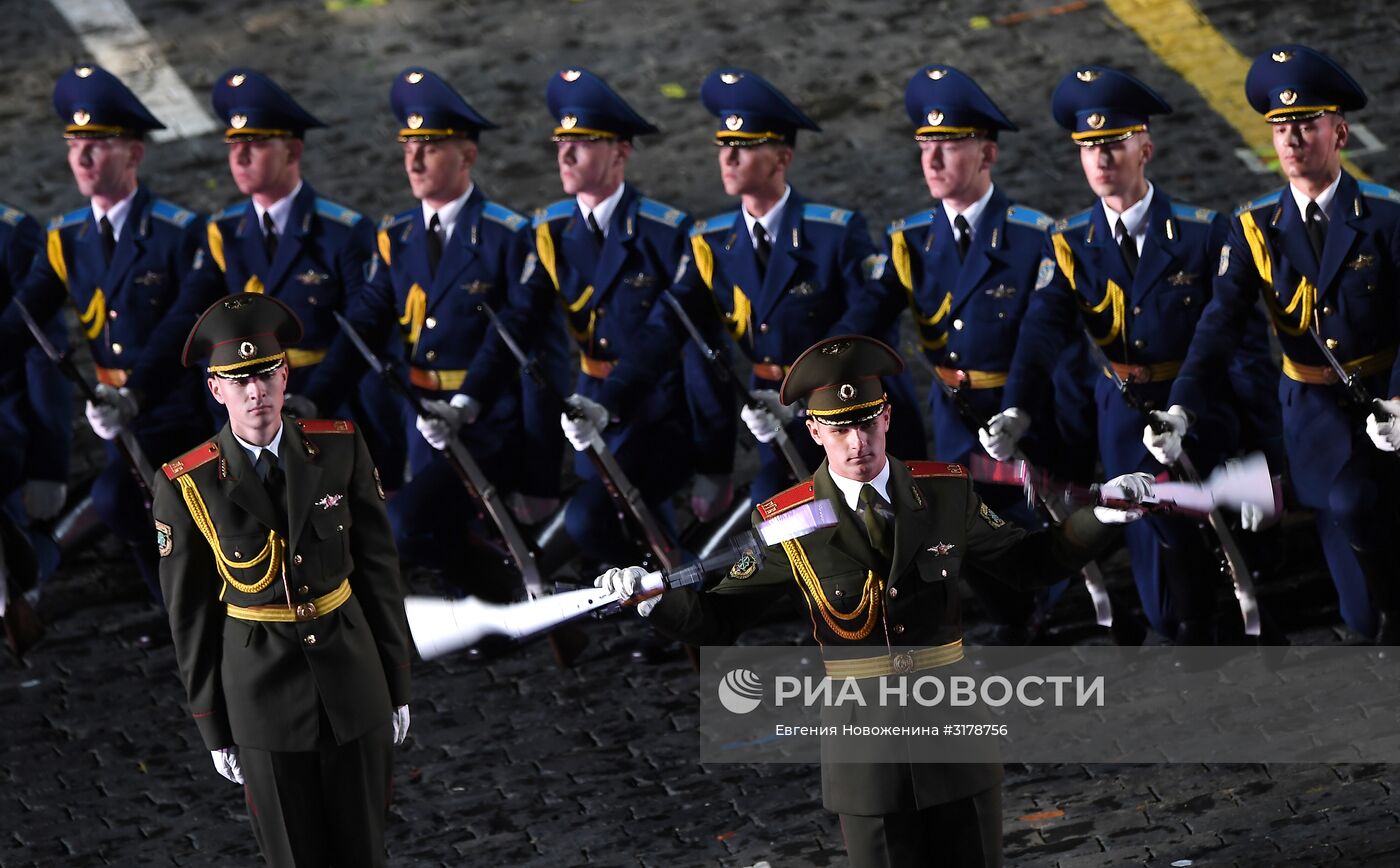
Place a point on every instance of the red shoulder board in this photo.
(925, 469)
(201, 454)
(326, 426)
(785, 500)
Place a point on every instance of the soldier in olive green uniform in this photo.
(286, 606)
(881, 591)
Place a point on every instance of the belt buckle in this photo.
(902, 663)
(1329, 375)
(1139, 374)
(306, 611)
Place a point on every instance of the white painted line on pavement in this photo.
(119, 43)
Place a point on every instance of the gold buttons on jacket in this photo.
(894, 592)
(306, 611)
(117, 348)
(296, 559)
(763, 327)
(898, 629)
(310, 639)
(304, 590)
(952, 357)
(430, 322)
(1139, 343)
(1333, 343)
(1326, 311)
(111, 314)
(602, 342)
(1137, 310)
(958, 324)
(430, 355)
(838, 593)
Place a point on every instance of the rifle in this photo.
(782, 442)
(442, 626)
(1093, 576)
(1240, 576)
(462, 463)
(624, 494)
(126, 441)
(1350, 381)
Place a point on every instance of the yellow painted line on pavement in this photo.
(1178, 33)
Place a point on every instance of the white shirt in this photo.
(603, 211)
(770, 221)
(850, 488)
(972, 214)
(1134, 219)
(1323, 199)
(281, 212)
(447, 214)
(117, 215)
(255, 452)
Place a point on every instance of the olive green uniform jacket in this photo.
(263, 684)
(941, 529)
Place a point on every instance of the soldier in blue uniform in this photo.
(968, 266)
(287, 241)
(1322, 253)
(436, 263)
(35, 436)
(121, 262)
(786, 271)
(607, 254)
(1136, 270)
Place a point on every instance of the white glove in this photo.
(625, 581)
(1003, 432)
(1251, 516)
(1385, 433)
(767, 420)
(1166, 447)
(589, 424)
(114, 408)
(400, 724)
(445, 419)
(529, 509)
(226, 763)
(299, 406)
(711, 495)
(1133, 487)
(43, 498)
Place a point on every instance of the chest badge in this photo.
(150, 278)
(311, 277)
(803, 288)
(478, 287)
(941, 549)
(640, 280)
(330, 500)
(1364, 260)
(1004, 291)
(1182, 278)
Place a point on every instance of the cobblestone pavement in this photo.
(515, 762)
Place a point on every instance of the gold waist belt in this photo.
(322, 605)
(437, 380)
(114, 377)
(1323, 375)
(974, 379)
(598, 369)
(900, 663)
(1154, 373)
(304, 358)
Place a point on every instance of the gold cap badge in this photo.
(1095, 121)
(935, 118)
(1087, 75)
(81, 118)
(936, 74)
(1282, 56)
(568, 122)
(83, 71)
(1288, 97)
(236, 80)
(733, 122)
(247, 350)
(570, 74)
(846, 392)
(413, 77)
(238, 122)
(730, 77)
(415, 121)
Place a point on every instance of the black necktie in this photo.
(872, 508)
(596, 230)
(762, 247)
(109, 238)
(964, 235)
(274, 482)
(434, 243)
(1128, 246)
(1316, 223)
(269, 236)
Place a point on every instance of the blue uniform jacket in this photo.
(124, 307)
(613, 308)
(968, 312)
(1352, 292)
(319, 268)
(35, 399)
(1145, 319)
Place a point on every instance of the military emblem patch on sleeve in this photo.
(1045, 274)
(1224, 260)
(165, 542)
(991, 517)
(745, 566)
(874, 266)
